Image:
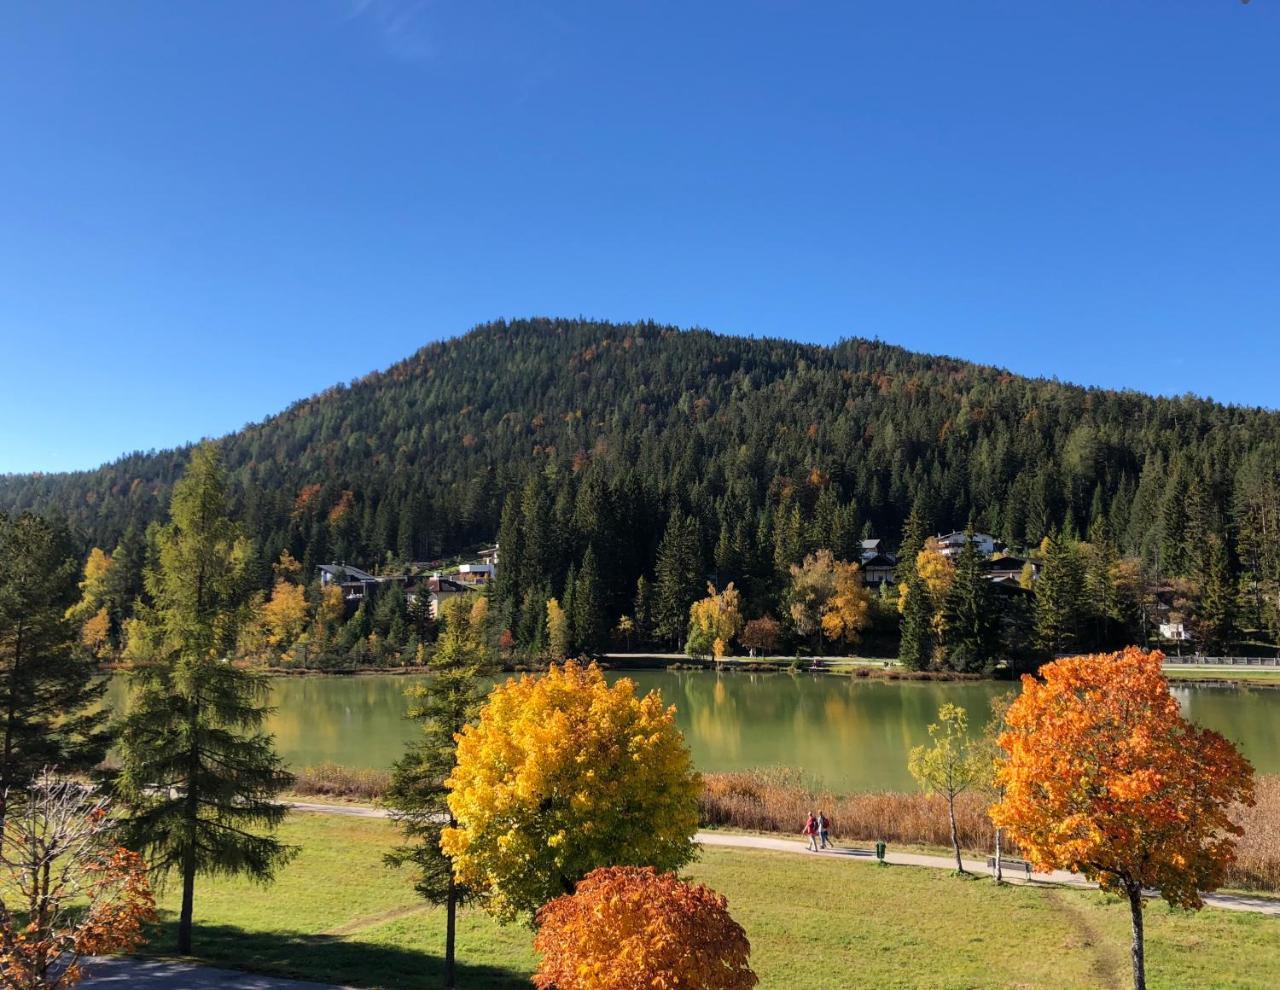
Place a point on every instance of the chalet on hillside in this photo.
(356, 585)
(438, 591)
(951, 544)
(878, 569)
(1008, 566)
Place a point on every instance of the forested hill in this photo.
(769, 445)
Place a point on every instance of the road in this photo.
(119, 973)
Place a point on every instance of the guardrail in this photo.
(1196, 660)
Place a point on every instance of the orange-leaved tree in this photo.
(1103, 776)
(628, 927)
(562, 774)
(67, 890)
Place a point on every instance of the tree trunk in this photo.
(450, 933)
(1137, 949)
(999, 855)
(188, 901)
(955, 833)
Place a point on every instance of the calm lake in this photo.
(853, 735)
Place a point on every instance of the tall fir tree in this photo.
(1059, 598)
(1215, 611)
(590, 625)
(418, 794)
(970, 615)
(915, 649)
(198, 772)
(50, 688)
(680, 578)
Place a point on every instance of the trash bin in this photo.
(880, 847)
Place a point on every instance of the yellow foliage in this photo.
(285, 614)
(560, 775)
(557, 630)
(715, 621)
(96, 632)
(93, 586)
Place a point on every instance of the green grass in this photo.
(338, 915)
(1263, 674)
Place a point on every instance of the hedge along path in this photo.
(1058, 878)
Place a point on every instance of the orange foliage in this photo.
(1104, 777)
(304, 500)
(346, 502)
(630, 928)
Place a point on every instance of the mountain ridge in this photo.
(457, 425)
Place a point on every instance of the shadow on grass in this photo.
(328, 959)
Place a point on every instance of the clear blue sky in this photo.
(208, 210)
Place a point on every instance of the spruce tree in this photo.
(50, 688)
(589, 623)
(198, 772)
(680, 578)
(417, 797)
(915, 651)
(969, 610)
(1216, 611)
(1059, 598)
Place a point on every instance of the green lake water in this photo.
(852, 735)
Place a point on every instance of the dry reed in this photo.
(779, 801)
(332, 780)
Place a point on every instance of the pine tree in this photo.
(197, 770)
(914, 532)
(915, 651)
(417, 797)
(50, 690)
(1216, 610)
(680, 578)
(590, 625)
(1059, 598)
(969, 613)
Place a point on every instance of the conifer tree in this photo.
(1216, 611)
(590, 625)
(417, 797)
(915, 651)
(1059, 598)
(969, 609)
(197, 770)
(49, 687)
(680, 577)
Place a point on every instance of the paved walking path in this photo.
(1227, 902)
(118, 973)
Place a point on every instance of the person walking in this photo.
(811, 832)
(824, 825)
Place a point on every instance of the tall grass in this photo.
(779, 801)
(332, 780)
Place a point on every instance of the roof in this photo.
(345, 572)
(879, 560)
(958, 537)
(873, 544)
(442, 585)
(1007, 563)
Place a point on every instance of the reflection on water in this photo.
(851, 734)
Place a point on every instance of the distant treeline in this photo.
(572, 440)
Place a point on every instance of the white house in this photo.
(952, 543)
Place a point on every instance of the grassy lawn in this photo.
(337, 914)
(1262, 674)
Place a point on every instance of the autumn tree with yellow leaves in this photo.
(562, 774)
(627, 927)
(1104, 777)
(714, 622)
(827, 598)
